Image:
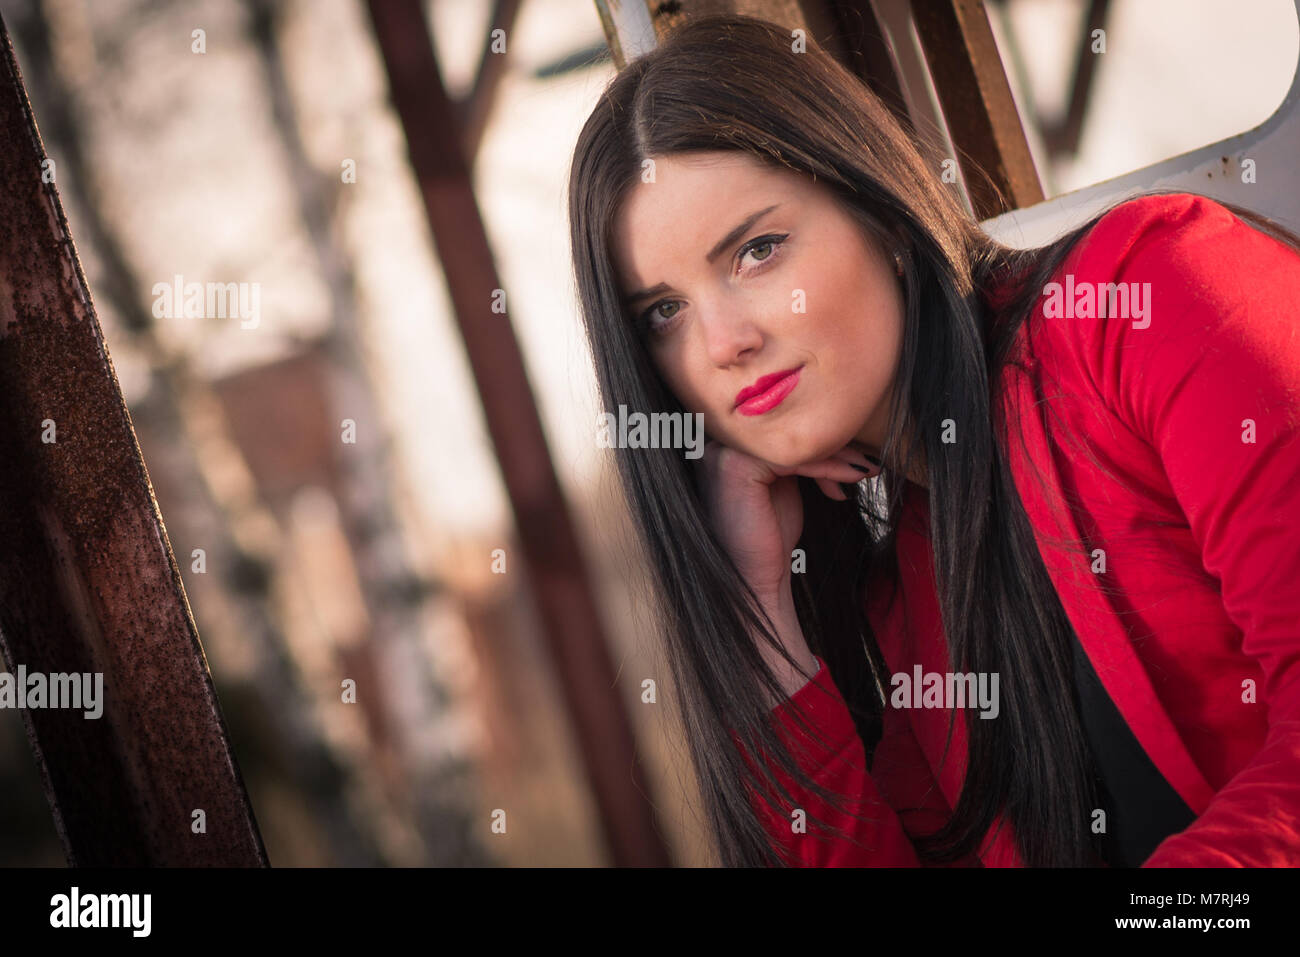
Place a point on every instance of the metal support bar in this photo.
(560, 583)
(977, 105)
(1063, 138)
(476, 108)
(88, 583)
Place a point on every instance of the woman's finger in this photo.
(831, 490)
(856, 457)
(835, 469)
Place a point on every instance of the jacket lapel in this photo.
(906, 644)
(1102, 636)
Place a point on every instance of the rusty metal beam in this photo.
(560, 583)
(978, 107)
(88, 582)
(1063, 138)
(473, 112)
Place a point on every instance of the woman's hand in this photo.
(757, 514)
(756, 511)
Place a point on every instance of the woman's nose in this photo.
(729, 333)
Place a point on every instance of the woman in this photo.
(1057, 624)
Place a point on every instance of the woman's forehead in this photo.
(684, 206)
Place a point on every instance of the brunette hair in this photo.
(731, 82)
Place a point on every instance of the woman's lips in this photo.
(772, 396)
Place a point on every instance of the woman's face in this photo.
(734, 300)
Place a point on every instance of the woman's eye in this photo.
(648, 319)
(768, 244)
(655, 319)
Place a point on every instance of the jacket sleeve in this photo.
(876, 837)
(1210, 378)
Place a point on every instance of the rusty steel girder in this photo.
(88, 582)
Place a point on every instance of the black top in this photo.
(1142, 808)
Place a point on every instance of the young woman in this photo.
(1058, 621)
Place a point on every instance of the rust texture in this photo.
(560, 584)
(88, 582)
(978, 107)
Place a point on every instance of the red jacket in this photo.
(1195, 409)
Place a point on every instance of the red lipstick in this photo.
(767, 393)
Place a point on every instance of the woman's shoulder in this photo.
(1149, 224)
(1161, 286)
(1160, 209)
(1182, 239)
(1155, 219)
(1166, 264)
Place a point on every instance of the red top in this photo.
(1195, 409)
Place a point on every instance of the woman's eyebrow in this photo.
(714, 253)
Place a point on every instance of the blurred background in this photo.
(274, 157)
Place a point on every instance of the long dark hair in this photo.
(731, 82)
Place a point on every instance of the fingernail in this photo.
(875, 461)
(861, 468)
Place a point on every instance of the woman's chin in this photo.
(799, 452)
(781, 456)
